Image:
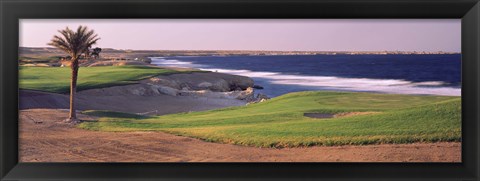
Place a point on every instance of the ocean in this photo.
(281, 74)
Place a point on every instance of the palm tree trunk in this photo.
(73, 88)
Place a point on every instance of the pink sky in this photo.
(308, 35)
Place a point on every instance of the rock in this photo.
(185, 86)
(259, 98)
(220, 86)
(139, 91)
(205, 85)
(239, 82)
(262, 96)
(152, 90)
(257, 87)
(216, 86)
(167, 90)
(164, 82)
(247, 95)
(155, 90)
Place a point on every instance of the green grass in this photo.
(279, 122)
(57, 79)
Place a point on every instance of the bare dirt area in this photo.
(45, 138)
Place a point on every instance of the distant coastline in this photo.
(152, 53)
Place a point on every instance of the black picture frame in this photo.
(13, 10)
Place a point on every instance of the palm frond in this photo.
(74, 42)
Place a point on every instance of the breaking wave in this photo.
(330, 82)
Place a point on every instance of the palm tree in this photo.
(74, 43)
(96, 52)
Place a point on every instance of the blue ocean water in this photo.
(403, 74)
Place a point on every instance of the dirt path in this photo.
(53, 141)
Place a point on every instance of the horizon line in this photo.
(455, 52)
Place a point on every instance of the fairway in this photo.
(279, 122)
(57, 79)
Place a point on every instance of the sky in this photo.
(257, 34)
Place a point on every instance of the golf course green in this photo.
(280, 122)
(57, 79)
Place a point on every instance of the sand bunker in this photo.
(338, 115)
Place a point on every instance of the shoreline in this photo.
(280, 83)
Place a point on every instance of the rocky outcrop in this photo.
(259, 98)
(247, 95)
(197, 81)
(262, 96)
(257, 87)
(205, 84)
(240, 95)
(165, 90)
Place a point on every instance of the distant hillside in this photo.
(146, 53)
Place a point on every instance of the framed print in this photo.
(322, 90)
